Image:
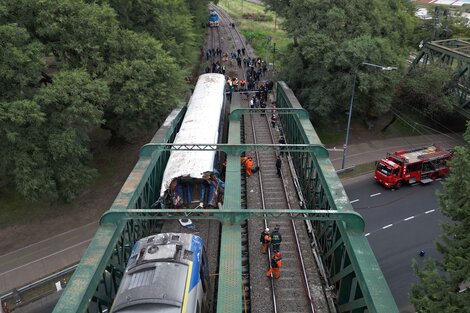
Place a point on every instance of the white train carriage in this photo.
(189, 180)
(166, 273)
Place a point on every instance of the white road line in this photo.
(367, 234)
(389, 225)
(429, 211)
(353, 201)
(375, 194)
(409, 218)
(43, 258)
(50, 238)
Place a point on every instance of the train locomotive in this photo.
(213, 19)
(168, 273)
(190, 179)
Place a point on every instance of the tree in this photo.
(331, 39)
(429, 90)
(168, 21)
(142, 91)
(73, 31)
(440, 282)
(21, 62)
(44, 141)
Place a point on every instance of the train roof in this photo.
(200, 125)
(156, 274)
(421, 154)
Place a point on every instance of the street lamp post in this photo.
(356, 71)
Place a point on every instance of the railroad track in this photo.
(292, 292)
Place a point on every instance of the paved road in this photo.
(377, 149)
(398, 225)
(32, 262)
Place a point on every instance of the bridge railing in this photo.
(347, 256)
(94, 284)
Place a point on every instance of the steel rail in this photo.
(299, 251)
(253, 128)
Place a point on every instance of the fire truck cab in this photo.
(410, 166)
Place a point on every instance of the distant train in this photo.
(213, 19)
(190, 178)
(167, 273)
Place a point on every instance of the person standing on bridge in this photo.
(275, 266)
(276, 239)
(247, 162)
(278, 166)
(282, 141)
(265, 239)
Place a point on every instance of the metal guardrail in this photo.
(15, 294)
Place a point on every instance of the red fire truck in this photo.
(410, 166)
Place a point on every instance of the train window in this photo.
(188, 255)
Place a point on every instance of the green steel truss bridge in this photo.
(456, 54)
(347, 257)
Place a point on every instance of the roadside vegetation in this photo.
(443, 284)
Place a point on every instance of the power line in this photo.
(427, 115)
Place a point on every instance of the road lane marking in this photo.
(375, 194)
(400, 221)
(51, 238)
(353, 201)
(43, 258)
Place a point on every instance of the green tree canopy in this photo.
(21, 63)
(331, 39)
(141, 92)
(168, 21)
(45, 140)
(75, 32)
(440, 282)
(428, 90)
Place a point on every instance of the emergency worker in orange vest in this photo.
(247, 162)
(265, 239)
(276, 264)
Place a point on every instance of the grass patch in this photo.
(358, 170)
(330, 134)
(15, 209)
(256, 23)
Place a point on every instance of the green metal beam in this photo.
(236, 114)
(352, 219)
(234, 149)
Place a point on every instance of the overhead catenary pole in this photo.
(356, 70)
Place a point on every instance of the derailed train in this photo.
(166, 272)
(169, 272)
(190, 178)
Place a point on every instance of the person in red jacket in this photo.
(276, 264)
